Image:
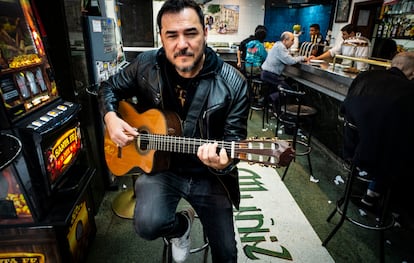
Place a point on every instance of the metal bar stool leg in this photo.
(310, 166)
(285, 171)
(345, 201)
(167, 250)
(167, 253)
(382, 221)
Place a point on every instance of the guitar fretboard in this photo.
(180, 144)
(262, 151)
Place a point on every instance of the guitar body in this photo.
(132, 156)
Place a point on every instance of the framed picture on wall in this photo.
(342, 10)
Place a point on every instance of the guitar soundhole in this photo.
(143, 141)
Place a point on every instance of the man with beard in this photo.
(210, 96)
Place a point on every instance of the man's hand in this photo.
(120, 132)
(207, 153)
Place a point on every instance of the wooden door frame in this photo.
(366, 25)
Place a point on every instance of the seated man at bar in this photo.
(348, 31)
(277, 59)
(379, 114)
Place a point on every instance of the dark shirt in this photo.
(180, 96)
(319, 41)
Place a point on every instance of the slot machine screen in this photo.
(26, 78)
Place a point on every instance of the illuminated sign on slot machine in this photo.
(22, 257)
(63, 152)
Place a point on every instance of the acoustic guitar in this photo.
(159, 134)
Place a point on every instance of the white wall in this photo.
(336, 27)
(251, 15)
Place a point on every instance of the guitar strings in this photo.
(190, 145)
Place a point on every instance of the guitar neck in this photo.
(180, 144)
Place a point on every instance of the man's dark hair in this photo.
(385, 48)
(175, 6)
(260, 27)
(316, 26)
(260, 35)
(349, 28)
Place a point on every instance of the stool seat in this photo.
(305, 110)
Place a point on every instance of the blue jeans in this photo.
(158, 196)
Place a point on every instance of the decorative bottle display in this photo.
(397, 21)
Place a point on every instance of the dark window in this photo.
(136, 23)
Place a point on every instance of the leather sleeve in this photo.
(131, 82)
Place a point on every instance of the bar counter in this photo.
(321, 78)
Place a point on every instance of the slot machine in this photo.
(44, 180)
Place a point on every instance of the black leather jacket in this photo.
(224, 107)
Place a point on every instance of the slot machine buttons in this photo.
(68, 104)
(45, 118)
(53, 113)
(37, 123)
(62, 107)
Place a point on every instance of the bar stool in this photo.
(296, 118)
(123, 204)
(259, 99)
(167, 252)
(380, 219)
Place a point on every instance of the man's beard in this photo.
(191, 67)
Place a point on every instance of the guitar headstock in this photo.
(267, 151)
